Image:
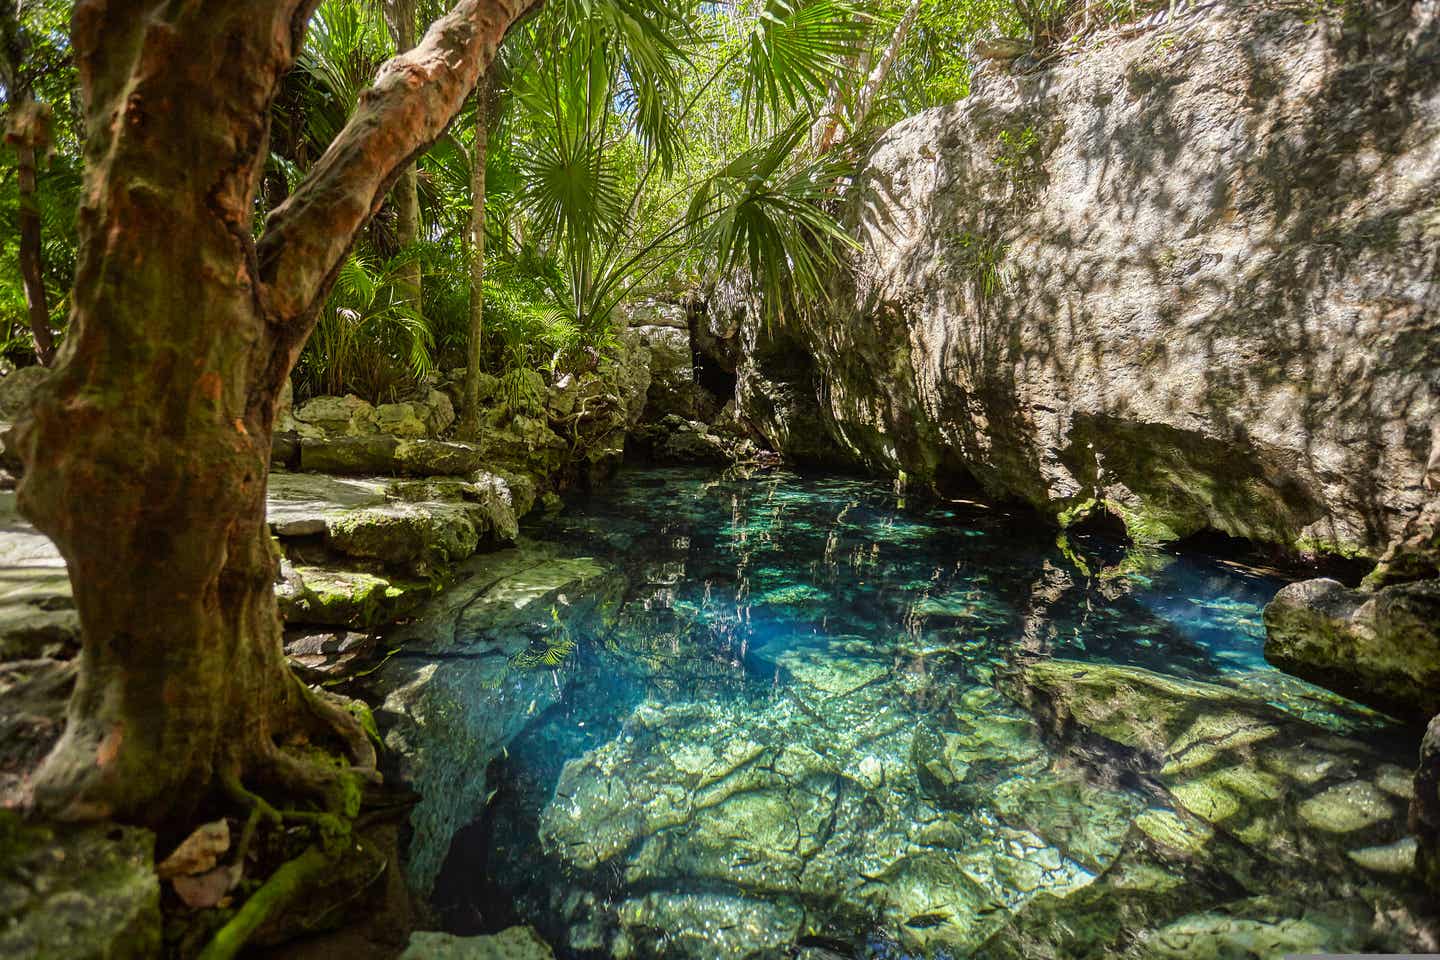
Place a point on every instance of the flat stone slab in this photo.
(37, 615)
(300, 503)
(21, 545)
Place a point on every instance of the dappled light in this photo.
(769, 480)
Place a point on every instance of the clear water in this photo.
(828, 723)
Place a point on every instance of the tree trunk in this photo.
(876, 80)
(400, 15)
(32, 264)
(828, 131)
(147, 451)
(470, 425)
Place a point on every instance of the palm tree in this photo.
(589, 181)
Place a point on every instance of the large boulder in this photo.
(1188, 276)
(349, 455)
(412, 527)
(675, 440)
(630, 373)
(347, 416)
(1380, 648)
(664, 329)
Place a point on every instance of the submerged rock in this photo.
(517, 943)
(476, 665)
(1156, 816)
(822, 808)
(1256, 805)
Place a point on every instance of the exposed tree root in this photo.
(336, 720)
(283, 888)
(331, 784)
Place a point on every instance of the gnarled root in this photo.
(310, 777)
(283, 888)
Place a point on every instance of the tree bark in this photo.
(470, 424)
(876, 80)
(27, 137)
(400, 16)
(828, 131)
(147, 451)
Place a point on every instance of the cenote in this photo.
(803, 717)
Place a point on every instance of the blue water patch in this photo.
(825, 722)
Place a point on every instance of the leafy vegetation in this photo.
(631, 147)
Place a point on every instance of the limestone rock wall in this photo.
(1187, 276)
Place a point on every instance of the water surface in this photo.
(826, 722)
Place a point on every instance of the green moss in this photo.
(1174, 833)
(1076, 511)
(1325, 547)
(355, 599)
(365, 717)
(1180, 482)
(1146, 526)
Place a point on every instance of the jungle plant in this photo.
(368, 339)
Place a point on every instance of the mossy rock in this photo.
(517, 943)
(1293, 795)
(77, 893)
(418, 538)
(1381, 648)
(351, 598)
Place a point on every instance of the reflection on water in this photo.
(825, 725)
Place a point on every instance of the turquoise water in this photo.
(825, 722)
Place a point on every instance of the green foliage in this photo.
(1016, 149)
(764, 211)
(1018, 155)
(634, 146)
(794, 50)
(548, 652)
(35, 63)
(983, 259)
(369, 340)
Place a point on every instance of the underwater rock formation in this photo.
(1184, 276)
(517, 943)
(471, 670)
(1191, 813)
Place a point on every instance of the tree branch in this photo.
(413, 100)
